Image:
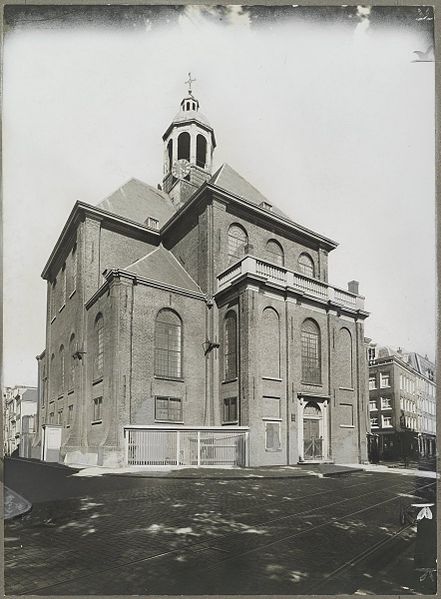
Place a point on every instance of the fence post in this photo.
(199, 448)
(126, 446)
(178, 446)
(247, 461)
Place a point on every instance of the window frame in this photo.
(98, 358)
(230, 366)
(171, 369)
(276, 257)
(278, 425)
(169, 399)
(306, 269)
(240, 243)
(227, 404)
(97, 409)
(311, 363)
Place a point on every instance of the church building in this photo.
(193, 324)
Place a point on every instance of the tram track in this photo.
(297, 515)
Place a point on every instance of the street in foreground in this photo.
(134, 535)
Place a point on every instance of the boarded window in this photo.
(347, 414)
(99, 347)
(271, 407)
(272, 436)
(311, 367)
(230, 346)
(184, 146)
(345, 358)
(270, 346)
(168, 344)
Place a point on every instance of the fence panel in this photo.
(153, 447)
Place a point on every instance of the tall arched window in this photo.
(201, 151)
(306, 265)
(230, 346)
(345, 357)
(311, 364)
(98, 366)
(275, 252)
(170, 154)
(61, 373)
(237, 243)
(270, 355)
(184, 146)
(74, 269)
(52, 378)
(72, 361)
(168, 344)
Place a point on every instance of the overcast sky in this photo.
(332, 121)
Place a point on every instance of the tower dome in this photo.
(189, 142)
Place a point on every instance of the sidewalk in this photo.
(377, 468)
(213, 473)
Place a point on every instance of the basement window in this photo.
(152, 223)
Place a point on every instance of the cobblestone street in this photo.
(134, 535)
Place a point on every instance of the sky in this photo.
(327, 114)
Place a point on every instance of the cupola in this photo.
(189, 142)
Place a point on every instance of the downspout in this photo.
(358, 392)
(288, 422)
(328, 424)
(132, 308)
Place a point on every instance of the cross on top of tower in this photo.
(189, 82)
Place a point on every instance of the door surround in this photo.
(322, 402)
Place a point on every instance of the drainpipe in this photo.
(358, 391)
(288, 421)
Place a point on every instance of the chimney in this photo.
(353, 287)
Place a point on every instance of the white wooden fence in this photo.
(186, 446)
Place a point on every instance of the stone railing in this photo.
(286, 278)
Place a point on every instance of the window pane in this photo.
(310, 354)
(237, 243)
(168, 345)
(230, 347)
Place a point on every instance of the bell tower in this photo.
(189, 143)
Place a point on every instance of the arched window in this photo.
(170, 154)
(345, 357)
(72, 361)
(201, 151)
(61, 373)
(306, 265)
(237, 243)
(270, 354)
(310, 337)
(275, 252)
(230, 346)
(54, 299)
(98, 366)
(184, 146)
(52, 379)
(168, 344)
(74, 269)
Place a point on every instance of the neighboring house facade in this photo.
(402, 403)
(20, 409)
(199, 308)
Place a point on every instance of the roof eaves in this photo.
(330, 243)
(82, 207)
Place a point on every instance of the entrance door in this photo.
(312, 438)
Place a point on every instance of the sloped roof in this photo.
(228, 179)
(161, 265)
(136, 201)
(422, 365)
(30, 395)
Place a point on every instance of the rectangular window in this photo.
(372, 405)
(371, 353)
(60, 416)
(51, 417)
(374, 422)
(271, 407)
(384, 380)
(272, 436)
(70, 414)
(385, 403)
(97, 409)
(230, 409)
(168, 408)
(386, 421)
(372, 383)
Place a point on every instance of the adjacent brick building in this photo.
(402, 403)
(19, 414)
(199, 307)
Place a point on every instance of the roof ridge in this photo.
(143, 257)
